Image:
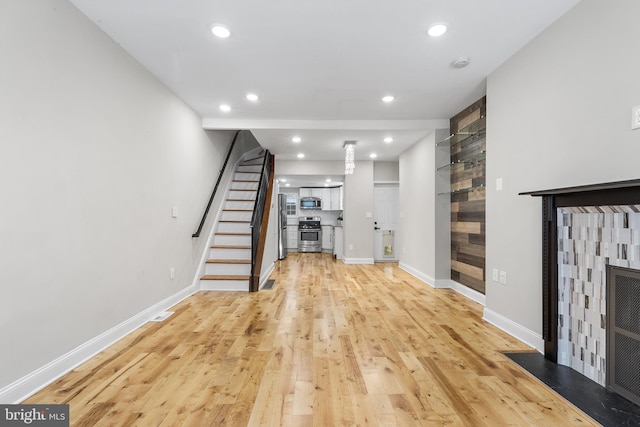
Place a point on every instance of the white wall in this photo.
(358, 214)
(417, 246)
(94, 153)
(386, 171)
(558, 115)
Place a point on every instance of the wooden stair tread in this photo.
(246, 180)
(232, 233)
(228, 261)
(223, 277)
(241, 189)
(230, 247)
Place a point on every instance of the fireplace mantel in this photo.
(603, 194)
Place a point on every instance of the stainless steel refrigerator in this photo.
(282, 226)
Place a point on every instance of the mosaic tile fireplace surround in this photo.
(589, 238)
(584, 229)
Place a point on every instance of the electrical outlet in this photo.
(503, 277)
(494, 275)
(172, 273)
(635, 117)
(350, 247)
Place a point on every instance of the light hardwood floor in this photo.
(330, 345)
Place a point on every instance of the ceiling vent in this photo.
(461, 62)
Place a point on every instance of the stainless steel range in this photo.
(309, 234)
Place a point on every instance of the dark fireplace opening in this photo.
(623, 332)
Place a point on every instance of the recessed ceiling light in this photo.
(252, 97)
(437, 29)
(388, 140)
(328, 180)
(283, 180)
(373, 155)
(225, 108)
(388, 98)
(220, 30)
(296, 139)
(287, 184)
(300, 155)
(326, 185)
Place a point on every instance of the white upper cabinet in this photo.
(305, 192)
(336, 199)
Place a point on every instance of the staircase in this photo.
(229, 265)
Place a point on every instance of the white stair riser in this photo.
(234, 227)
(221, 239)
(236, 215)
(246, 176)
(244, 186)
(228, 269)
(239, 205)
(257, 170)
(224, 285)
(222, 253)
(242, 195)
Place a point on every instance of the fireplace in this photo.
(588, 232)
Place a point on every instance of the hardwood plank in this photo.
(332, 344)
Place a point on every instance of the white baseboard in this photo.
(507, 325)
(472, 294)
(24, 387)
(358, 260)
(514, 329)
(445, 284)
(418, 274)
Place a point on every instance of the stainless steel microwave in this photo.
(310, 203)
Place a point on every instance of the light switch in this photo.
(498, 184)
(494, 275)
(369, 215)
(635, 117)
(174, 212)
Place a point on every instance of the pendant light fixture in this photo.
(349, 157)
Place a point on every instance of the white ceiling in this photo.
(320, 68)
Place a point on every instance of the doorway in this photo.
(385, 220)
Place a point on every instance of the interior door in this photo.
(385, 219)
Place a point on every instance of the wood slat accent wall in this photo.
(468, 209)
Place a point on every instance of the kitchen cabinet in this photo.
(336, 198)
(327, 238)
(326, 199)
(292, 237)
